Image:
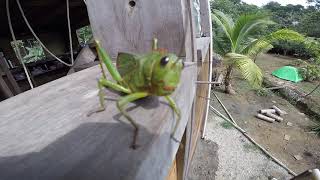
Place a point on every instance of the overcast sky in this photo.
(283, 2)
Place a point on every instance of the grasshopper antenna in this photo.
(155, 44)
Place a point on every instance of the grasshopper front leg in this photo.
(122, 103)
(174, 106)
(108, 84)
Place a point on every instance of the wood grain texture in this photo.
(10, 77)
(121, 27)
(45, 133)
(203, 45)
(173, 174)
(4, 88)
(205, 14)
(201, 103)
(85, 56)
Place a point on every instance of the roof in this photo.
(43, 15)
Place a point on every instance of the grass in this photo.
(249, 147)
(316, 129)
(226, 125)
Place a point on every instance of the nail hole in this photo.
(132, 3)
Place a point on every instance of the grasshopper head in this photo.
(166, 74)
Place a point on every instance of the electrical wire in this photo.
(38, 39)
(15, 45)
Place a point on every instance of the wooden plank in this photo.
(173, 175)
(203, 45)
(45, 133)
(4, 88)
(206, 21)
(10, 77)
(130, 26)
(200, 102)
(85, 56)
(205, 14)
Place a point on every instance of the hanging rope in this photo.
(38, 39)
(15, 45)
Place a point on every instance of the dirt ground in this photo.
(245, 105)
(205, 161)
(226, 154)
(270, 63)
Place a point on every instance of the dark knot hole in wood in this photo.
(132, 4)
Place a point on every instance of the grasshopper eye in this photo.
(164, 61)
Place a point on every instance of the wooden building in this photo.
(45, 133)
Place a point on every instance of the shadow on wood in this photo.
(83, 153)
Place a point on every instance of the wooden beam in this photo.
(59, 140)
(4, 88)
(10, 77)
(122, 27)
(205, 15)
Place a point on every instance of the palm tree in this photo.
(236, 44)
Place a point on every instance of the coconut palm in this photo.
(239, 48)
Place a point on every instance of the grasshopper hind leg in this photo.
(122, 103)
(175, 108)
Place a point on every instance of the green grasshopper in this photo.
(153, 74)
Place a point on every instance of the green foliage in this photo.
(249, 70)
(294, 17)
(310, 72)
(249, 147)
(316, 3)
(34, 54)
(30, 50)
(84, 35)
(310, 24)
(226, 125)
(241, 48)
(316, 129)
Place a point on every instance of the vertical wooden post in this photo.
(206, 23)
(130, 26)
(11, 79)
(4, 87)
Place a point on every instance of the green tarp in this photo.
(288, 73)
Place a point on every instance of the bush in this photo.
(292, 49)
(310, 72)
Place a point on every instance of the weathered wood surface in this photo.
(130, 26)
(85, 56)
(45, 133)
(4, 88)
(205, 14)
(6, 71)
(203, 45)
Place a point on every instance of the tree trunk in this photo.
(285, 52)
(228, 87)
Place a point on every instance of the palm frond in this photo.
(227, 20)
(223, 21)
(256, 47)
(245, 25)
(249, 70)
(285, 35)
